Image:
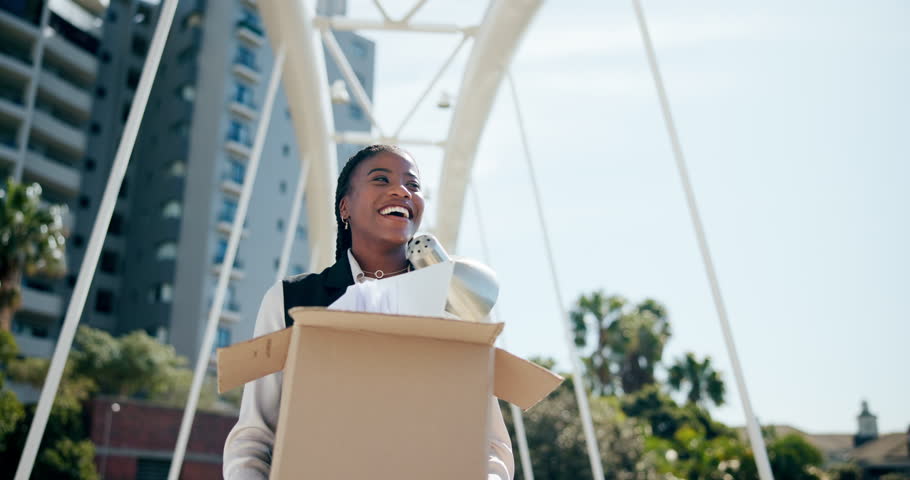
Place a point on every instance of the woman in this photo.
(378, 208)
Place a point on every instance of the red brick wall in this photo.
(151, 428)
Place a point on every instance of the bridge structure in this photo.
(300, 36)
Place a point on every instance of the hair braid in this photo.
(343, 240)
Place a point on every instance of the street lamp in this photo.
(115, 407)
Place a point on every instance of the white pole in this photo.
(517, 418)
(31, 92)
(208, 340)
(292, 220)
(96, 241)
(581, 393)
(755, 436)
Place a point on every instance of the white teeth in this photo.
(401, 210)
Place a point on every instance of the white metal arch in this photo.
(292, 24)
(495, 44)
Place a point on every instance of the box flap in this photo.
(521, 382)
(249, 360)
(426, 327)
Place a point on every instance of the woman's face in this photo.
(385, 200)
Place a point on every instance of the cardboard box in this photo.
(383, 396)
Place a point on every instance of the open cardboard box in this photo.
(383, 396)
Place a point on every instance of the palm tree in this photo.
(629, 340)
(703, 382)
(31, 243)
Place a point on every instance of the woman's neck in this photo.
(387, 260)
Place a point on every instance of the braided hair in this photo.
(343, 240)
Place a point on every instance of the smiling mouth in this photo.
(395, 211)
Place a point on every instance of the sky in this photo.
(793, 119)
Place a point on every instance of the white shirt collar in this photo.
(356, 271)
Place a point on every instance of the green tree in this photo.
(557, 443)
(846, 471)
(31, 243)
(628, 341)
(698, 377)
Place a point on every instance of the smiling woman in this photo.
(378, 208)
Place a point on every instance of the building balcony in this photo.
(66, 93)
(59, 133)
(239, 149)
(8, 154)
(250, 33)
(11, 109)
(12, 64)
(80, 61)
(52, 173)
(230, 314)
(16, 27)
(46, 304)
(225, 227)
(247, 72)
(236, 272)
(230, 185)
(244, 110)
(32, 346)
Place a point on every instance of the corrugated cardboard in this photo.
(383, 396)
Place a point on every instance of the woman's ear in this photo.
(343, 208)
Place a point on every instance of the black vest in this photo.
(316, 289)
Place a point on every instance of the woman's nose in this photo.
(402, 191)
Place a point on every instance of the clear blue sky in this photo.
(794, 119)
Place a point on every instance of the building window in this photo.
(104, 301)
(123, 190)
(89, 164)
(187, 54)
(240, 132)
(132, 78)
(166, 251)
(161, 293)
(224, 337)
(83, 201)
(228, 210)
(297, 270)
(283, 186)
(116, 225)
(139, 45)
(177, 168)
(280, 225)
(220, 250)
(243, 93)
(105, 56)
(180, 128)
(301, 232)
(95, 128)
(355, 112)
(78, 241)
(100, 92)
(109, 261)
(359, 49)
(285, 149)
(171, 209)
(246, 57)
(236, 171)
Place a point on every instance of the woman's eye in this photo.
(414, 185)
(381, 179)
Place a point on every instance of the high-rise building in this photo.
(48, 69)
(167, 240)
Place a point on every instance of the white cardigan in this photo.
(248, 449)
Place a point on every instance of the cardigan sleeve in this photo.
(248, 448)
